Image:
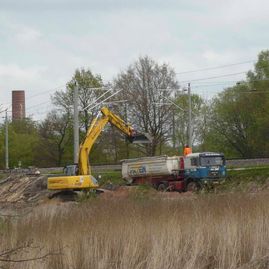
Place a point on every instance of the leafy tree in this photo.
(23, 138)
(55, 137)
(239, 122)
(233, 121)
(85, 80)
(88, 90)
(182, 119)
(2, 146)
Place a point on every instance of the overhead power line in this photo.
(221, 76)
(44, 92)
(36, 105)
(212, 85)
(205, 83)
(215, 67)
(219, 83)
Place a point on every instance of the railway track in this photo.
(233, 163)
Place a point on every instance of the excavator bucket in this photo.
(141, 139)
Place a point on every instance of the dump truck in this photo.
(78, 176)
(176, 173)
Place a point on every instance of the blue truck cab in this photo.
(205, 167)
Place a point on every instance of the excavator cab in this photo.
(72, 180)
(71, 170)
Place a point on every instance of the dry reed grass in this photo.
(210, 231)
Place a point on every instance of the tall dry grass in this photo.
(211, 231)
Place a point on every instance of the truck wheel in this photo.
(162, 187)
(193, 186)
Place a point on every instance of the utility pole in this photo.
(189, 125)
(76, 124)
(6, 143)
(174, 131)
(126, 120)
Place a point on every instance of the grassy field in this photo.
(253, 179)
(237, 180)
(143, 229)
(193, 232)
(107, 177)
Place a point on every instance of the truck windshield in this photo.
(212, 160)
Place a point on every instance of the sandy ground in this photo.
(21, 192)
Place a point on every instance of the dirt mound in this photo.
(22, 189)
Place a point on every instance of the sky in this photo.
(42, 43)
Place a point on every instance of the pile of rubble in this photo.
(21, 188)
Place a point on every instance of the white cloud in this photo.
(221, 57)
(41, 50)
(18, 31)
(32, 80)
(20, 74)
(27, 34)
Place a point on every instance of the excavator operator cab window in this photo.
(71, 170)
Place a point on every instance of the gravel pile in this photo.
(22, 189)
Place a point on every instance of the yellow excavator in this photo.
(78, 176)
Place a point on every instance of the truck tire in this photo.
(193, 186)
(162, 187)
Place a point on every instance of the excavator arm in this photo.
(118, 122)
(84, 179)
(94, 131)
(92, 134)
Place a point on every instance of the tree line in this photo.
(149, 97)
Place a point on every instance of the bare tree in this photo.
(146, 84)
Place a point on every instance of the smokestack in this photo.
(18, 105)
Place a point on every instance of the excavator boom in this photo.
(83, 178)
